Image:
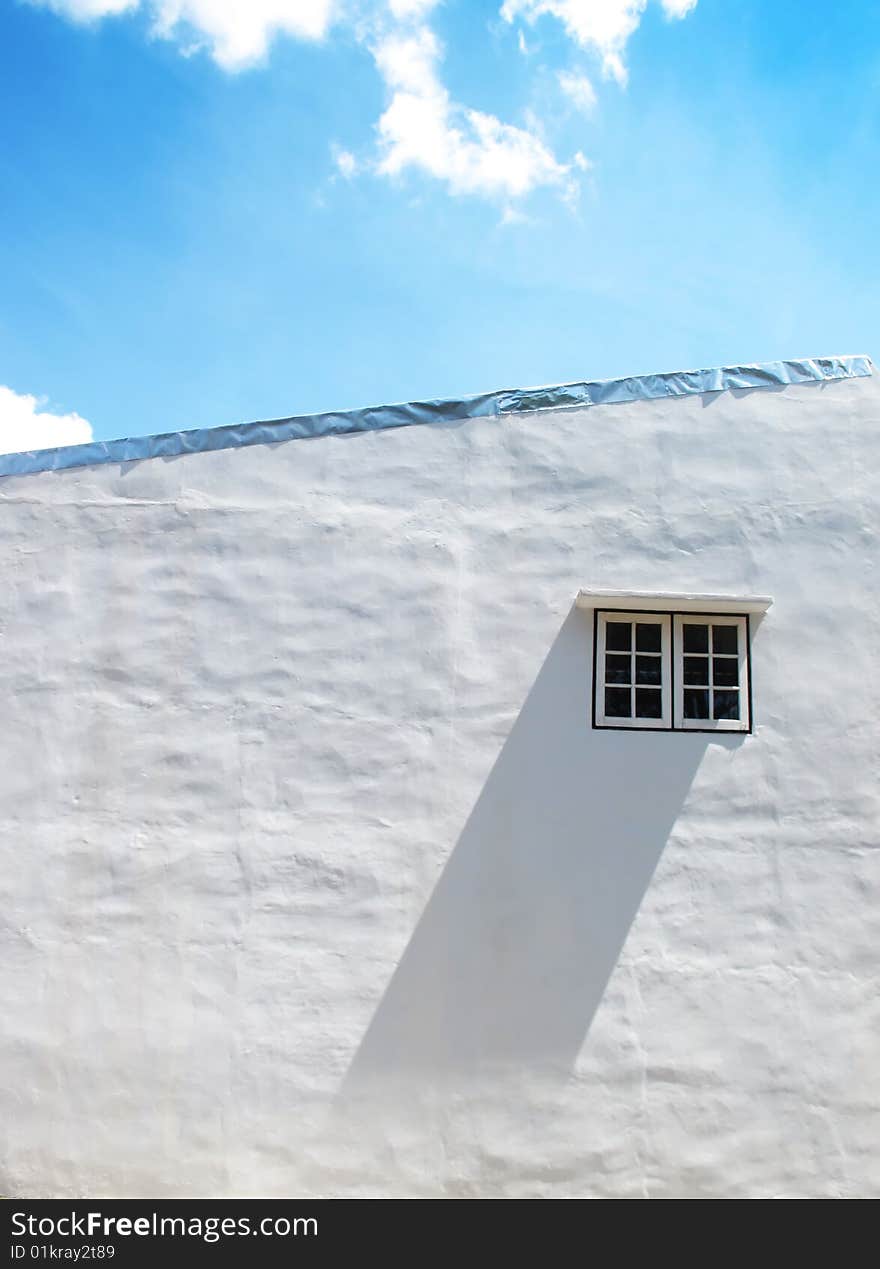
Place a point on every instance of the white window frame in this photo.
(600, 719)
(744, 722)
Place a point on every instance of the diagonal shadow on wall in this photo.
(512, 954)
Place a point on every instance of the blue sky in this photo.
(220, 210)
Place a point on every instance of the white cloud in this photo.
(578, 89)
(603, 25)
(407, 60)
(24, 426)
(87, 10)
(237, 33)
(471, 152)
(411, 8)
(422, 127)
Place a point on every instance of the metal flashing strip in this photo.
(488, 405)
(670, 601)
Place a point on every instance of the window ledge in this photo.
(668, 601)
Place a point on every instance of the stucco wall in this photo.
(315, 877)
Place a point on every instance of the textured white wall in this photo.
(315, 877)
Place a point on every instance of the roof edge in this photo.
(771, 374)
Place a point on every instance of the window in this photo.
(633, 683)
(711, 673)
(671, 671)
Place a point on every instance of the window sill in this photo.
(668, 601)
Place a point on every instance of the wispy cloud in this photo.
(24, 426)
(579, 90)
(346, 163)
(678, 8)
(604, 26)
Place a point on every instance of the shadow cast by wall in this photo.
(512, 954)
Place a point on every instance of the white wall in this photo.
(315, 877)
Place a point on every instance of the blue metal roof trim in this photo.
(491, 404)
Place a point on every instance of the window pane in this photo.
(725, 671)
(696, 670)
(724, 639)
(695, 638)
(617, 702)
(726, 705)
(618, 636)
(617, 668)
(648, 703)
(648, 670)
(696, 704)
(647, 636)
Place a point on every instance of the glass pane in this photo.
(647, 636)
(696, 670)
(617, 668)
(695, 638)
(724, 639)
(726, 705)
(617, 702)
(648, 669)
(725, 671)
(648, 703)
(696, 704)
(618, 636)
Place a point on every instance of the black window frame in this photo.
(674, 652)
